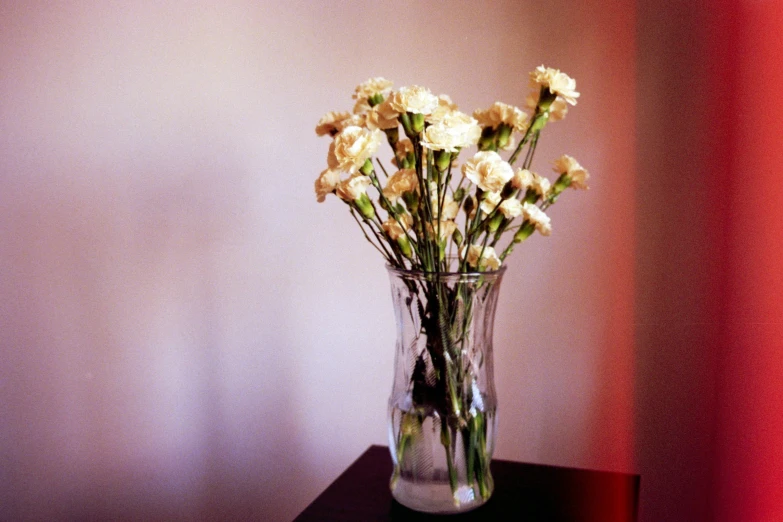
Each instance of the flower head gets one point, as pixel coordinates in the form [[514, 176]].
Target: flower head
[[511, 208], [326, 184], [558, 83], [445, 106], [395, 229], [502, 113], [355, 145], [330, 123], [444, 228], [370, 88], [488, 170], [490, 202], [453, 131], [353, 187], [481, 257], [402, 181], [382, 116], [414, 99], [576, 175], [537, 216]]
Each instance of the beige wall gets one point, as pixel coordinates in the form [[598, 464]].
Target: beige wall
[[185, 332]]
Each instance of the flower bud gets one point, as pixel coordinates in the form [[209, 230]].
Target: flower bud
[[364, 205], [367, 168], [487, 139], [459, 194], [494, 223], [405, 246], [469, 206], [417, 122], [442, 160], [504, 135], [524, 232], [456, 236]]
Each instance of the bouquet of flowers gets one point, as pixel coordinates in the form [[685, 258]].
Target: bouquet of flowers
[[432, 215]]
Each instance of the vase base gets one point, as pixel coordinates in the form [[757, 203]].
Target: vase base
[[436, 497]]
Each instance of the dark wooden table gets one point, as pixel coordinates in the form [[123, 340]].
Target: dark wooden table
[[529, 492]]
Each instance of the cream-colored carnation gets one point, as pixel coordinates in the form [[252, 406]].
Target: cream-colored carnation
[[402, 181], [540, 185], [488, 170], [371, 87], [522, 179], [414, 99], [393, 229], [404, 147], [446, 228], [355, 120], [557, 82], [445, 106], [557, 111], [567, 165], [511, 208], [454, 131], [326, 183], [488, 257], [502, 113], [330, 123], [450, 207], [331, 159], [490, 201], [537, 216], [382, 116], [353, 187], [355, 145]]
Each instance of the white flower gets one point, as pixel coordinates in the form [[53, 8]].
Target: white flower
[[540, 185], [403, 149], [557, 82], [488, 170], [490, 201], [382, 116], [489, 258], [450, 207], [502, 113], [402, 181], [537, 216], [445, 106], [393, 228], [446, 228], [326, 183], [353, 187], [355, 120], [557, 111], [578, 176], [455, 130], [511, 208], [329, 124], [522, 179], [371, 87], [414, 99], [355, 145]]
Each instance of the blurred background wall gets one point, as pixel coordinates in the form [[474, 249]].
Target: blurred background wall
[[186, 334]]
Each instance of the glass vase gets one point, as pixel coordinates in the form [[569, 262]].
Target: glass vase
[[442, 407]]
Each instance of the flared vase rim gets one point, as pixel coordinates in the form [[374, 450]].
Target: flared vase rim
[[475, 274]]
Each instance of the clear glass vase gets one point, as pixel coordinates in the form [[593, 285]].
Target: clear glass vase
[[442, 406]]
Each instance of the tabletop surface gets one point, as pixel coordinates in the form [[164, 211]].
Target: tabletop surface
[[530, 492]]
